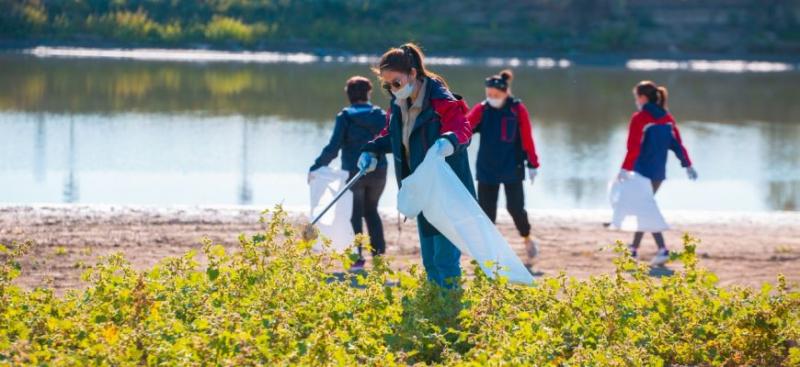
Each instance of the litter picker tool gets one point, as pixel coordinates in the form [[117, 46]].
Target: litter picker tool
[[308, 231]]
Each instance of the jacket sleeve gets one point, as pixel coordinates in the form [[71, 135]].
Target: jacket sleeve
[[331, 151], [381, 143], [475, 116], [634, 142], [526, 134], [455, 127], [678, 148]]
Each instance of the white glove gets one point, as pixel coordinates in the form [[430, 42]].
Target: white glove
[[624, 175], [367, 162], [691, 173], [443, 147], [532, 172]]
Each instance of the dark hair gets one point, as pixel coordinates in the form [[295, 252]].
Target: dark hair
[[358, 88], [501, 81], [654, 93], [403, 59]]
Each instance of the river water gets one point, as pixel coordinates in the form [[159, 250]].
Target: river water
[[244, 131]]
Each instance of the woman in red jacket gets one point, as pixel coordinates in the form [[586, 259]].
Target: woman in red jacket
[[506, 152], [652, 133]]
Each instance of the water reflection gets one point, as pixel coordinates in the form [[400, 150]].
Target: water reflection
[[158, 132], [39, 157], [245, 190], [71, 193]]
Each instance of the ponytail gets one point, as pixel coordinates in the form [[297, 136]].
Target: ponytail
[[654, 93], [506, 75], [405, 58], [662, 96]]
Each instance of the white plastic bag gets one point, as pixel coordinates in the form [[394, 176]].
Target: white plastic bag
[[635, 206], [435, 190], [335, 224]]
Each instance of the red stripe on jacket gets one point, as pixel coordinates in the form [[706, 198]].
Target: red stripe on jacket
[[452, 115], [475, 116]]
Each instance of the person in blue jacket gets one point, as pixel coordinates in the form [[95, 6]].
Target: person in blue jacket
[[652, 133], [506, 152], [356, 125], [424, 115]]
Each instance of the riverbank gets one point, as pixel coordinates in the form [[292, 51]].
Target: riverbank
[[741, 248], [676, 27]]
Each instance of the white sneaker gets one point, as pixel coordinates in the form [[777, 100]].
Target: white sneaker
[[531, 246], [661, 258]]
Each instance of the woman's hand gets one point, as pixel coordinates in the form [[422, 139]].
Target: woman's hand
[[532, 172], [691, 173], [443, 147], [624, 175], [367, 162]]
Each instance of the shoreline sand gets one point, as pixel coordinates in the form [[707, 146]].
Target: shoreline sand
[[742, 248]]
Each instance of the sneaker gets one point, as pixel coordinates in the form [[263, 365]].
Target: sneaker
[[634, 252], [358, 265], [531, 246], [661, 258]]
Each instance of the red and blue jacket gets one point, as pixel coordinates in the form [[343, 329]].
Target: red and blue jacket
[[506, 141], [652, 133], [355, 126], [443, 115]]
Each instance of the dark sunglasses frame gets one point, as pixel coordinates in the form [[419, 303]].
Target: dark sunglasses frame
[[393, 84]]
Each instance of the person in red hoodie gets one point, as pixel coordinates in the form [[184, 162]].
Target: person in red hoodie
[[652, 133], [506, 152]]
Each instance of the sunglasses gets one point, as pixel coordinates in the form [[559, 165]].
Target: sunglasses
[[394, 84]]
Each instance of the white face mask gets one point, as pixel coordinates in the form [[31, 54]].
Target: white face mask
[[496, 102], [638, 106], [405, 91]]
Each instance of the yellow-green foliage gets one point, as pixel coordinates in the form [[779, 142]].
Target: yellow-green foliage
[[230, 29], [275, 302]]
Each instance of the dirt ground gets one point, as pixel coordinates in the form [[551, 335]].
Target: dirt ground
[[741, 248]]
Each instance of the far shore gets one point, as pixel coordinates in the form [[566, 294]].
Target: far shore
[[585, 59], [742, 248]]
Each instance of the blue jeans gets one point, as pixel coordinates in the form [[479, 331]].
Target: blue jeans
[[441, 259]]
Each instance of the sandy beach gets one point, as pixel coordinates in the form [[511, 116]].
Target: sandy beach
[[741, 248]]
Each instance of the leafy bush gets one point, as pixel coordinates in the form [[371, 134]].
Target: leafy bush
[[274, 301], [222, 29], [522, 27], [125, 25], [34, 16]]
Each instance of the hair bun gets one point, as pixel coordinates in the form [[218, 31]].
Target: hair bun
[[506, 75]]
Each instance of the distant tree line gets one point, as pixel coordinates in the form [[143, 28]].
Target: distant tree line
[[561, 26]]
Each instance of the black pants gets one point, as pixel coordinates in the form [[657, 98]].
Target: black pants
[[366, 193], [515, 203]]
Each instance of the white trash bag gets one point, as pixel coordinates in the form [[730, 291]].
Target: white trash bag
[[635, 206], [335, 224], [435, 190]]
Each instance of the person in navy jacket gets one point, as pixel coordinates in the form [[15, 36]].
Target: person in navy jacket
[[356, 125], [506, 152], [424, 115], [652, 133]]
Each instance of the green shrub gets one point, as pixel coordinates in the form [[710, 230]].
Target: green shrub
[[274, 302], [124, 25], [35, 17], [171, 32], [222, 29]]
